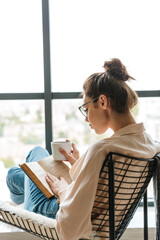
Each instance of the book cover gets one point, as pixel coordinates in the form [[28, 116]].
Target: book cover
[[37, 171]]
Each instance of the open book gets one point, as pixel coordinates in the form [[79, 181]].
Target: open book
[[36, 171]]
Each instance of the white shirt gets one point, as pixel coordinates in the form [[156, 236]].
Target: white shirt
[[73, 219]]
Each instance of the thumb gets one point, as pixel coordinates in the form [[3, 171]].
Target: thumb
[[68, 156]]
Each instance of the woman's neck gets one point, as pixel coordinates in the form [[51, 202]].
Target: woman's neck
[[118, 120]]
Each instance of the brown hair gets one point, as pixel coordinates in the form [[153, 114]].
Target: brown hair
[[112, 83]]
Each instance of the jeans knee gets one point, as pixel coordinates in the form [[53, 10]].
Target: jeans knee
[[11, 175], [36, 154], [15, 183], [38, 148]]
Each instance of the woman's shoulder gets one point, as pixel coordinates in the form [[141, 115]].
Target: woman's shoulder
[[100, 146], [99, 143]]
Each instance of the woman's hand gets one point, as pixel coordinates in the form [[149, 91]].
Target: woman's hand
[[74, 154], [58, 186]]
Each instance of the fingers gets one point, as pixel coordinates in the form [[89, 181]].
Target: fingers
[[68, 156], [67, 140], [73, 156], [74, 147], [48, 180], [51, 177]]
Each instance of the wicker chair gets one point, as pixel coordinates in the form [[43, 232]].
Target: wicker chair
[[123, 181]]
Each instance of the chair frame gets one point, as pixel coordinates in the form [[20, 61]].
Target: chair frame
[[109, 158]]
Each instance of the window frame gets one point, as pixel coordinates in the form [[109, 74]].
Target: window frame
[[48, 95]]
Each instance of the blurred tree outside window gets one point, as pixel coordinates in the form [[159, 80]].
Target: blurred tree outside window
[[21, 129]]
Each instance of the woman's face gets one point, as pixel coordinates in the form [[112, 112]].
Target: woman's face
[[97, 115]]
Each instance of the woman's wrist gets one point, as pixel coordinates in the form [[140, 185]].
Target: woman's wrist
[[61, 196]]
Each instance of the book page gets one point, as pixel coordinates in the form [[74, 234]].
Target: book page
[[37, 171], [37, 175], [56, 168]]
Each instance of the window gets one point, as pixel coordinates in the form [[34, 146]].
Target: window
[[86, 33], [21, 48], [21, 129], [22, 123], [148, 111], [83, 35]]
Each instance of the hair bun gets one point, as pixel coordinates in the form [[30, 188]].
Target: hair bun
[[116, 70]]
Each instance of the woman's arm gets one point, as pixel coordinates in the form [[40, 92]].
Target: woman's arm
[[74, 215], [59, 186]]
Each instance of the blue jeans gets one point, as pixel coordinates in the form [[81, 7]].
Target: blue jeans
[[23, 190]]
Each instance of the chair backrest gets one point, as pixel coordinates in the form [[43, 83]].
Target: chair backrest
[[122, 183]]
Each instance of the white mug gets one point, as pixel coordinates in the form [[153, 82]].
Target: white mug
[[57, 155]]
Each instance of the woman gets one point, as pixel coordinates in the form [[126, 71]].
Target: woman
[[107, 104]]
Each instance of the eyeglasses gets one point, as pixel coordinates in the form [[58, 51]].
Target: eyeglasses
[[83, 110]]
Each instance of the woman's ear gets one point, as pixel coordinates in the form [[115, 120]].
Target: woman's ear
[[103, 101]]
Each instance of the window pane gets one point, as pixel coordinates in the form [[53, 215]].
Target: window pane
[[21, 128], [86, 33], [148, 111], [21, 53]]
